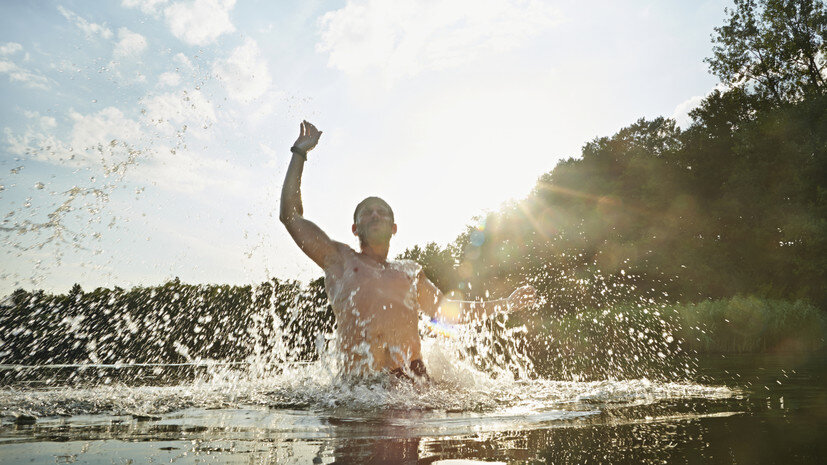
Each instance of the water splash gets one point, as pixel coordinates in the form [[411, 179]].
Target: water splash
[[456, 387]]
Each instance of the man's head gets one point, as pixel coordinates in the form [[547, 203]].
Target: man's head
[[373, 221]]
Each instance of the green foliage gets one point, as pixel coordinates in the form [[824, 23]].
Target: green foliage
[[750, 324], [639, 339], [438, 264], [776, 47]]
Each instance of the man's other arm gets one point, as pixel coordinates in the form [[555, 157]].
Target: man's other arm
[[433, 303]]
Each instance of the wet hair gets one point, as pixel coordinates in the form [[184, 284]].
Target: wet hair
[[368, 200]]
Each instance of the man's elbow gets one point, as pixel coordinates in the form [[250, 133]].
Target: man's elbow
[[288, 214], [287, 218]]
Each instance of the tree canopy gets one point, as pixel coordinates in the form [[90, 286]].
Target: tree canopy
[[777, 48]]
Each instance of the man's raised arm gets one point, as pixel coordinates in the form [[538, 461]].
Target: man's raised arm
[[434, 304], [309, 237]]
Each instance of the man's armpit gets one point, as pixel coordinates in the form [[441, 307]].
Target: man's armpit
[[334, 261]]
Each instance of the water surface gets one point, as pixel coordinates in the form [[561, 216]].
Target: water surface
[[741, 409]]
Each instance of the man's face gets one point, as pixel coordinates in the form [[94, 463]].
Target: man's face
[[374, 223]]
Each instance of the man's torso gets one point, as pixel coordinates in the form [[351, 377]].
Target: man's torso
[[376, 311]]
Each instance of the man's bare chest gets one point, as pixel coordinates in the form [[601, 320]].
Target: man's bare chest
[[370, 286]]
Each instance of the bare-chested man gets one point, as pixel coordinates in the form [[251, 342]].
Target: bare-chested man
[[376, 301]]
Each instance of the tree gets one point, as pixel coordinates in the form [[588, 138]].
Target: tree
[[75, 291], [776, 47]]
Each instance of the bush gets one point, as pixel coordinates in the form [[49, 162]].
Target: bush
[[637, 340], [751, 324]]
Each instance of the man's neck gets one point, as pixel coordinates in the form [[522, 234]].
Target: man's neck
[[376, 252]]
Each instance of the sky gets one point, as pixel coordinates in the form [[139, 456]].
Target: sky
[[142, 140]]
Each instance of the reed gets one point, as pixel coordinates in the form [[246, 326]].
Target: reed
[[738, 324], [751, 324]]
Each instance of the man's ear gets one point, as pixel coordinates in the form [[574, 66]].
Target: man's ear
[[353, 228], [393, 229]]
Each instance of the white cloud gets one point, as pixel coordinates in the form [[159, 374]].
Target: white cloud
[[244, 72], [200, 22], [110, 137], [9, 48], [45, 122], [35, 144], [150, 7], [403, 38], [91, 131], [265, 106], [169, 79], [183, 61], [17, 73], [87, 27], [180, 108], [192, 173], [147, 149], [129, 44], [106, 137], [681, 112]]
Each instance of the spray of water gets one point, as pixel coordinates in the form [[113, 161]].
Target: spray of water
[[153, 351]]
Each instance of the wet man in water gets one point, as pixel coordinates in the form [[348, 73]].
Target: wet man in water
[[376, 301]]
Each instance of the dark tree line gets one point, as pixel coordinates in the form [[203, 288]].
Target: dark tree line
[[171, 323]]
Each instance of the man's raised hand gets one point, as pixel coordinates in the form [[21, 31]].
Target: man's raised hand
[[308, 137]]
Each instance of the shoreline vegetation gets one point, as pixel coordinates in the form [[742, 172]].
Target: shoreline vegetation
[[736, 325], [710, 238], [286, 321]]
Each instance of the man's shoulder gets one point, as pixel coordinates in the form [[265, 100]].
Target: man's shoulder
[[409, 267], [342, 247], [344, 253]]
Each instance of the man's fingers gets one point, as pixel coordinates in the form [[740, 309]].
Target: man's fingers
[[308, 130]]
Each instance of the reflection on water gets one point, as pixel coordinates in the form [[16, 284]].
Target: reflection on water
[[776, 412]]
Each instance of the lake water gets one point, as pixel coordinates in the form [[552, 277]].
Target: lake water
[[740, 409]]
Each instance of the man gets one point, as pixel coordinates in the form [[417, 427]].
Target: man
[[375, 301]]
